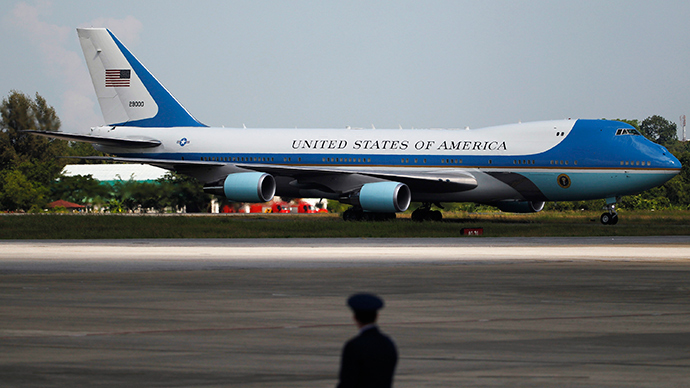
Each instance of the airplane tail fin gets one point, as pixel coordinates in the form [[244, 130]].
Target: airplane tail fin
[[128, 93]]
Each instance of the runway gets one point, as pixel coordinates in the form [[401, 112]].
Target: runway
[[180, 254], [263, 313]]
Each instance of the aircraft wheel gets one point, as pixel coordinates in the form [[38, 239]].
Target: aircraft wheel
[[425, 214], [605, 218], [388, 216], [353, 214], [609, 219], [419, 215], [614, 219], [372, 216]]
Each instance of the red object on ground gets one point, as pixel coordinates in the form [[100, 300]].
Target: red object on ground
[[65, 204], [473, 231]]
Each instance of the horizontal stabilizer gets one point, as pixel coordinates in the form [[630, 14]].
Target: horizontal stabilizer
[[105, 141]]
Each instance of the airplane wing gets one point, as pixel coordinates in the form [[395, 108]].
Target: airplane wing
[[106, 141], [436, 181], [439, 181]]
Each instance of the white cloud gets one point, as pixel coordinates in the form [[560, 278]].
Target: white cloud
[[127, 29], [77, 109]]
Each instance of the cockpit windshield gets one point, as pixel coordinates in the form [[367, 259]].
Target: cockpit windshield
[[628, 131]]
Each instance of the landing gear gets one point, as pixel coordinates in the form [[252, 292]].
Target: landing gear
[[358, 214], [610, 217], [424, 213]]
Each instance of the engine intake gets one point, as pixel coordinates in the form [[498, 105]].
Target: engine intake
[[385, 197]]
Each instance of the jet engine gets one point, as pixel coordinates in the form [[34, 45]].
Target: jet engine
[[385, 197], [249, 187], [519, 206]]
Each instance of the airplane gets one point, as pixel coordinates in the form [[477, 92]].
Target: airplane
[[515, 167]]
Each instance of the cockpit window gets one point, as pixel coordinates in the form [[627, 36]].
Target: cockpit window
[[628, 131]]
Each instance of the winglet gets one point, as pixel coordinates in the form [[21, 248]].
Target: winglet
[[128, 93]]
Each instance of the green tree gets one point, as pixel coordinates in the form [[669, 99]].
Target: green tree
[[19, 113], [634, 122], [82, 189], [184, 191], [659, 130], [27, 162], [27, 158], [17, 192]]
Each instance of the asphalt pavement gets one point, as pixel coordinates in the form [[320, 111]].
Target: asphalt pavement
[[271, 313]]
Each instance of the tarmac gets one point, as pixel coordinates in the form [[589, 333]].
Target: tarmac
[[474, 312]]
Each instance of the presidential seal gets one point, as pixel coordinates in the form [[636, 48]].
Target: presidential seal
[[564, 181]]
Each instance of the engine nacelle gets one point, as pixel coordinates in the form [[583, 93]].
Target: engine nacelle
[[385, 197], [249, 187], [519, 206]]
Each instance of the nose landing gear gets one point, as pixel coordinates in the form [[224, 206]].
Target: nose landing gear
[[610, 217]]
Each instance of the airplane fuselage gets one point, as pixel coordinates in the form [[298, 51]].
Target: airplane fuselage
[[542, 161]]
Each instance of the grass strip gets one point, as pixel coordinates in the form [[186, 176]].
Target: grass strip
[[548, 224]]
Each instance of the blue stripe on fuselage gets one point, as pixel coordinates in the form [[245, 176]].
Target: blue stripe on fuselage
[[589, 144]]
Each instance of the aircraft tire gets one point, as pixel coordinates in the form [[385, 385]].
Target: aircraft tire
[[421, 215], [371, 216], [353, 214], [614, 219], [605, 218], [418, 215], [609, 219]]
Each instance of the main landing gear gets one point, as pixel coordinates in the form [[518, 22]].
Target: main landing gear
[[424, 213], [610, 217], [358, 214]]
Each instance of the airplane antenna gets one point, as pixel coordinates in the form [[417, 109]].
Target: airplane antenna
[[244, 126], [372, 126]]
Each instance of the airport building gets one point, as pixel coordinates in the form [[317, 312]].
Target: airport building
[[111, 173]]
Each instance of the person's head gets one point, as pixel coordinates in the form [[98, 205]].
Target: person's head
[[365, 317], [365, 308]]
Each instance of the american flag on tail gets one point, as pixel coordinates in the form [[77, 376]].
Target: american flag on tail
[[117, 78]]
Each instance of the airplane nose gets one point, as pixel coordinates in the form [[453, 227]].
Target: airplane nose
[[670, 160]]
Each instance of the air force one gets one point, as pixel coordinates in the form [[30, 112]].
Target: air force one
[[516, 167]]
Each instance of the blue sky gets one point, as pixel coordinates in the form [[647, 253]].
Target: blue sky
[[445, 64]]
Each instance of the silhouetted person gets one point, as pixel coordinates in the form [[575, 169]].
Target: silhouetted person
[[369, 359]]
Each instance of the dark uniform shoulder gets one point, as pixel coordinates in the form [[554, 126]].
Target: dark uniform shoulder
[[369, 360]]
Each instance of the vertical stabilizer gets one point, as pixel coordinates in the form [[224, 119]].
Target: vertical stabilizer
[[128, 93]]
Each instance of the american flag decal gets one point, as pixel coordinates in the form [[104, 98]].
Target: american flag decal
[[117, 78]]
